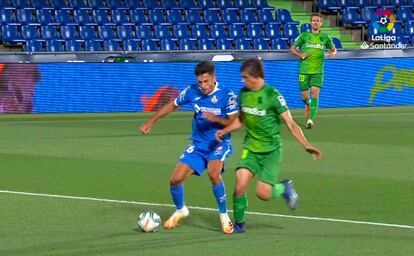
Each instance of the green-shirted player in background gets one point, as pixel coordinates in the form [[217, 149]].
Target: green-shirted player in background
[[312, 48], [262, 109]]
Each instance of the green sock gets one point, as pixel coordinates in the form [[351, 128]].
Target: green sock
[[239, 208], [313, 108], [307, 102], [278, 190]]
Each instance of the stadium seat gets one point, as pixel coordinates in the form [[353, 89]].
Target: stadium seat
[[133, 4], [401, 40], [396, 30], [405, 14], [151, 4], [236, 31], [74, 45], [44, 16], [106, 32], [409, 28], [156, 16], [262, 5], [93, 45], [242, 4], [344, 3], [205, 44], [369, 15], [188, 4], [11, 33], [254, 31], [229, 16], [102, 16], [119, 16], [30, 32], [242, 44], [272, 30], [212, 16], [199, 31], [40, 4], [168, 44], [87, 32], [97, 4], [34, 46], [350, 16], [162, 31], [337, 43], [373, 29], [266, 16], [305, 27], [170, 4], [206, 4], [149, 45], [58, 4], [398, 3], [224, 44], [77, 4], [181, 31], [63, 16], [117, 4], [138, 16], [260, 44], [279, 44], [175, 17], [7, 15], [25, 16], [382, 4], [193, 16], [21, 3], [328, 5], [224, 4], [111, 45], [290, 31], [186, 44], [143, 31], [284, 17], [49, 32], [363, 3], [82, 16], [54, 45], [125, 31], [69, 32], [218, 31], [131, 45], [247, 16]]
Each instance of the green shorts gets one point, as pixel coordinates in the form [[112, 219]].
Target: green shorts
[[306, 81], [266, 166]]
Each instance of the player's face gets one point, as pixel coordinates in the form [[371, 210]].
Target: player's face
[[250, 81], [206, 82], [316, 23]]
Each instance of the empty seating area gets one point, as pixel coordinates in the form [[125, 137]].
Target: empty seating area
[[367, 13]]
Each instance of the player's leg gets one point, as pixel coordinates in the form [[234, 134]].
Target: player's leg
[[305, 92], [316, 82], [240, 202]]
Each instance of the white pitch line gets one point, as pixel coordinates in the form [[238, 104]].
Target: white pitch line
[[206, 209]]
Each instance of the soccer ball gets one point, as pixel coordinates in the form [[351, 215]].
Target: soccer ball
[[383, 20], [149, 221]]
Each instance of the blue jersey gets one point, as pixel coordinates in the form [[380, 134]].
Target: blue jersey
[[221, 102]]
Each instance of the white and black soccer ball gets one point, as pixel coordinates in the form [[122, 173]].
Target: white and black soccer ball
[[149, 221], [383, 20]]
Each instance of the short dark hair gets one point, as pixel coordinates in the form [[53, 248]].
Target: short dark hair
[[205, 67], [316, 14], [253, 67]]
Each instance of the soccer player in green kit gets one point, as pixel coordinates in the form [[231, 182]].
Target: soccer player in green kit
[[311, 55], [262, 109]]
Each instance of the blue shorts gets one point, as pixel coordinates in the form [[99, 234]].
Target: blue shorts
[[198, 159]]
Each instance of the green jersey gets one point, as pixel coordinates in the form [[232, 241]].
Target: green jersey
[[314, 45], [260, 111]]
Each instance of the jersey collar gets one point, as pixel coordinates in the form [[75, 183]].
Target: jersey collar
[[216, 88]]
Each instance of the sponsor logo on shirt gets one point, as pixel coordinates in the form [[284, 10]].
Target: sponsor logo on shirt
[[254, 111], [318, 46], [214, 111]]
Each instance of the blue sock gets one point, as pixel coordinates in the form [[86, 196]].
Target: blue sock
[[220, 194], [177, 194]]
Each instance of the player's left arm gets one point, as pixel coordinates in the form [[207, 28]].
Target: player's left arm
[[235, 125], [331, 47], [231, 111]]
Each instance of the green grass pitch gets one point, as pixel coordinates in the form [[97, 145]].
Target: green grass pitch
[[367, 174]]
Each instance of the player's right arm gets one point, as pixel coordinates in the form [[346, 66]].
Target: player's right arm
[[145, 128], [293, 49], [298, 134]]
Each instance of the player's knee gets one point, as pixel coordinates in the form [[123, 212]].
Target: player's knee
[[263, 195], [214, 176], [240, 190], [176, 180]]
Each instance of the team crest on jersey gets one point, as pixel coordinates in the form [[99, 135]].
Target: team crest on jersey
[[214, 100]]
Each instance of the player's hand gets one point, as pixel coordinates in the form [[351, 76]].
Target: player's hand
[[209, 116], [331, 54], [145, 128], [303, 56], [316, 153], [219, 135]]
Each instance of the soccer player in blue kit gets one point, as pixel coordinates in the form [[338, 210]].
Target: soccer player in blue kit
[[215, 107]]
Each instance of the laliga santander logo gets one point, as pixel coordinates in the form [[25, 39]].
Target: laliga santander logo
[[385, 16]]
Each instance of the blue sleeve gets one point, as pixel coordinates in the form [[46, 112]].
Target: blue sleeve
[[232, 106], [184, 97]]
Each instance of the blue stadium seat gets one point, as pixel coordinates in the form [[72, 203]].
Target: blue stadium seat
[[181, 31], [82, 16], [401, 40], [170, 4], [382, 4], [206, 4], [168, 44], [409, 28], [284, 17], [112, 45], [363, 3], [175, 17], [396, 30], [337, 43], [49, 32], [143, 31], [305, 27], [272, 30], [405, 14], [63, 16], [30, 32], [398, 3], [21, 3], [242, 44], [40, 4], [373, 29], [138, 16], [11, 33], [193, 16], [229, 16], [344, 3], [132, 4], [34, 46], [77, 4], [242, 4], [131, 45], [116, 4], [224, 44], [248, 16], [151, 4], [74, 45], [162, 31], [25, 16], [254, 31], [88, 32], [290, 31], [125, 31], [279, 44], [224, 4], [58, 4], [199, 31], [186, 44], [236, 30], [350, 16], [266, 16], [106, 32], [102, 16], [54, 45], [156, 16], [205, 44], [97, 4], [45, 16], [212, 16], [328, 5], [369, 15], [149, 45], [218, 31], [69, 32], [7, 15], [119, 16], [188, 4], [260, 44], [5, 3], [93, 45], [262, 5]]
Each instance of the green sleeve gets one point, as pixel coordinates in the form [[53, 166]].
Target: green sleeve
[[329, 44], [299, 41], [280, 103]]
